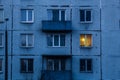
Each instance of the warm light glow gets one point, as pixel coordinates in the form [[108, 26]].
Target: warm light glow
[[83, 39]]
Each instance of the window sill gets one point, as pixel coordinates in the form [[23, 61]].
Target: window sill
[[27, 22], [27, 46], [26, 72], [86, 22], [56, 46], [86, 71], [89, 47]]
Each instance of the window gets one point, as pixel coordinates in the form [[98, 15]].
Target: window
[[0, 65], [56, 15], [27, 40], [85, 16], [1, 15], [26, 65], [27, 15], [85, 65], [56, 64], [85, 40], [56, 40], [1, 40]]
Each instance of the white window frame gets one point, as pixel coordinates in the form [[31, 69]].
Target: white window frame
[[53, 45], [27, 12], [86, 60], [85, 16], [1, 39], [2, 15], [85, 38], [27, 41], [50, 14]]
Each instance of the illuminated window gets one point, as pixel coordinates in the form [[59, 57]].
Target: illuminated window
[[85, 40], [26, 65], [85, 65]]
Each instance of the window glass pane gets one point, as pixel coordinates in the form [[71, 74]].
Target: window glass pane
[[0, 64], [88, 15], [55, 15], [23, 40], [62, 15], [49, 40], [23, 65], [56, 40], [89, 65], [50, 15], [30, 40], [88, 40], [30, 65], [56, 64], [82, 65], [82, 40], [0, 39], [23, 15], [1, 15], [62, 64], [82, 15], [62, 40], [50, 64], [30, 16]]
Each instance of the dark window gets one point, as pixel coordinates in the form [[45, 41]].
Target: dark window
[[85, 65], [56, 40], [0, 65], [26, 65], [85, 15], [56, 64]]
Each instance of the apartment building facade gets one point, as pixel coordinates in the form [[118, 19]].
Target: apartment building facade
[[59, 40]]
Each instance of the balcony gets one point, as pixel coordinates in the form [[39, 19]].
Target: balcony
[[61, 26], [56, 75]]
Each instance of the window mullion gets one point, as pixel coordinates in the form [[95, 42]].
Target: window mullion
[[53, 40], [26, 40], [27, 12], [59, 40], [59, 15]]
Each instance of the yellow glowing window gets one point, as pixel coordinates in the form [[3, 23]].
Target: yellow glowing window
[[85, 40]]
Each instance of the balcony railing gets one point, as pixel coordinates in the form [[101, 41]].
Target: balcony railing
[[56, 26], [56, 75]]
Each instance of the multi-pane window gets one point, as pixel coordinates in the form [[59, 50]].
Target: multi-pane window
[[85, 65], [1, 40], [85, 40], [56, 15], [1, 15], [27, 40], [0, 65], [27, 15], [26, 65], [85, 15], [56, 64], [56, 40]]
